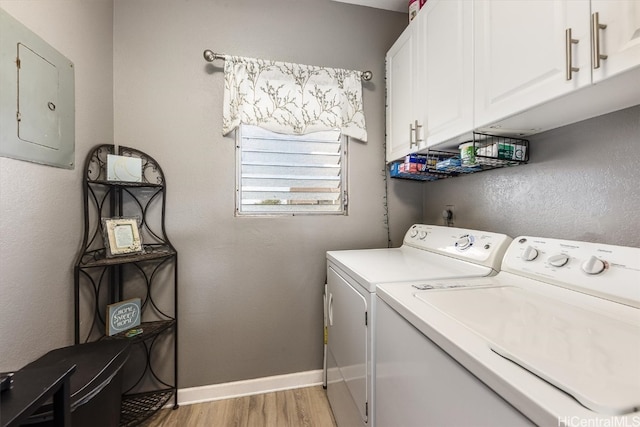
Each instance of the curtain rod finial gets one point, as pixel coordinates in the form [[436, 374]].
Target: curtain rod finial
[[209, 55]]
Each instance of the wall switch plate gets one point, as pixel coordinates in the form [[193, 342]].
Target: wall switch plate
[[37, 101]]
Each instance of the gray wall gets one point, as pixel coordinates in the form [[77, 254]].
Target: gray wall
[[41, 206], [582, 183], [250, 288]]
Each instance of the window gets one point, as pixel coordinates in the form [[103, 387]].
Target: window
[[289, 175]]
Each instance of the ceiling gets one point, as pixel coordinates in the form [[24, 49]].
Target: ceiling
[[394, 5]]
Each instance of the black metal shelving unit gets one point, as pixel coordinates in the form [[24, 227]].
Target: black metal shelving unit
[[151, 373], [489, 152]]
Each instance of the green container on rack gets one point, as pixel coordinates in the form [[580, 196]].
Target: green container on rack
[[468, 154]]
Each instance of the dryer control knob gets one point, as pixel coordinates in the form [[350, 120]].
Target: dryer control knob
[[593, 266], [422, 235], [464, 242], [414, 233], [530, 253], [558, 260]]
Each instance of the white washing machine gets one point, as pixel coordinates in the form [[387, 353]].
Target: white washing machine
[[553, 339], [428, 252]]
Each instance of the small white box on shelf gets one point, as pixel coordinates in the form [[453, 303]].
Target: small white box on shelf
[[124, 168]]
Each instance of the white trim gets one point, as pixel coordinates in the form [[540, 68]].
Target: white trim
[[207, 393]]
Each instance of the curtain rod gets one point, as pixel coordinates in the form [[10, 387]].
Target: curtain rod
[[210, 56]]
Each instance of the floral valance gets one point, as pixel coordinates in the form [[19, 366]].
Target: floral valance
[[292, 98]]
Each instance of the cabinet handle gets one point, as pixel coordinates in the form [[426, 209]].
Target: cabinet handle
[[596, 26], [415, 130], [570, 69], [418, 133], [411, 132]]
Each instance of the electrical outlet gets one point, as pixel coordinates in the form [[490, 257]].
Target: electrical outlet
[[448, 214]]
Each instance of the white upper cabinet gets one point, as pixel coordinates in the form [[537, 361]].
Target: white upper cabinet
[[509, 67], [446, 28], [402, 95], [536, 62], [430, 79], [521, 54], [619, 40]]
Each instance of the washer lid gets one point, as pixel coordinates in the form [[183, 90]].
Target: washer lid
[[588, 354], [370, 267]]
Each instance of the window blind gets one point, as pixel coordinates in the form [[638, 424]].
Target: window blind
[[287, 174]]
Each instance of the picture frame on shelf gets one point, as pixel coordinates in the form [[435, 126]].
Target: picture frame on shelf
[[121, 236]]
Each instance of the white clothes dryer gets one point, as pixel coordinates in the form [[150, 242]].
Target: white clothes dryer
[[428, 252], [553, 339]]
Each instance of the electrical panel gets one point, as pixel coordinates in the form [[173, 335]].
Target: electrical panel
[[37, 101]]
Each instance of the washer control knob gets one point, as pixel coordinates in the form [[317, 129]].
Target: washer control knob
[[593, 265], [422, 235], [413, 233], [530, 253], [464, 242], [558, 260]]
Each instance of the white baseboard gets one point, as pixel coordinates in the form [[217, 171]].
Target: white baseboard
[[207, 393]]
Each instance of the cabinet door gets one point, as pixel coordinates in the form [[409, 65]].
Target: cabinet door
[[620, 40], [446, 28], [521, 54], [401, 64]]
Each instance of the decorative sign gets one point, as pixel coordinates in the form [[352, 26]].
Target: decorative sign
[[123, 316], [123, 168]]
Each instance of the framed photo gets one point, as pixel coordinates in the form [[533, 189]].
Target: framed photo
[[121, 236]]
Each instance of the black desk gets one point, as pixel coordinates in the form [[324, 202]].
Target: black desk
[[31, 388]]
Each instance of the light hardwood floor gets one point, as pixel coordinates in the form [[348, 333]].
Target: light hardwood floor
[[302, 407]]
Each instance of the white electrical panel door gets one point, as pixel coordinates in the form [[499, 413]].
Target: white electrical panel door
[[37, 100], [38, 122]]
